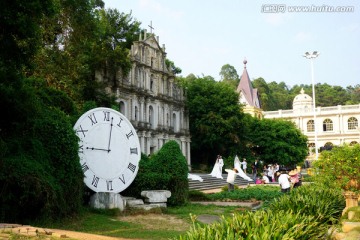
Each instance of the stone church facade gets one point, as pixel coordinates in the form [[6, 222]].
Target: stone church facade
[[151, 99]]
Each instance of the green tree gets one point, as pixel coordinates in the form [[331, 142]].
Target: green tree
[[339, 167], [215, 119], [99, 40], [171, 66], [265, 94], [277, 141], [327, 95], [229, 75], [40, 174], [354, 93], [280, 94]]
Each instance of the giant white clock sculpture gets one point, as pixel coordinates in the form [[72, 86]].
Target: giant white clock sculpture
[[109, 150]]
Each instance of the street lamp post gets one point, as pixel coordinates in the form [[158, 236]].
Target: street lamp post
[[311, 56]]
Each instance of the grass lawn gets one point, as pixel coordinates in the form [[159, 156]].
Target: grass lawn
[[167, 223], [158, 224]]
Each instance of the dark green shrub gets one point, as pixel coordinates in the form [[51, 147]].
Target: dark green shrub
[[195, 195], [165, 170], [40, 174]]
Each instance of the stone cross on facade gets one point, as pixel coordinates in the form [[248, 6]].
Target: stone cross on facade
[[151, 27]]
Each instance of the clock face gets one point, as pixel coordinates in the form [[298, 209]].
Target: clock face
[[109, 150]]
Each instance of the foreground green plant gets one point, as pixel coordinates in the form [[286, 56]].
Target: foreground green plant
[[305, 213], [326, 204], [264, 224]]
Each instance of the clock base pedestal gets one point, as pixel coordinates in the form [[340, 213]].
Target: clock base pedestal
[[107, 200]]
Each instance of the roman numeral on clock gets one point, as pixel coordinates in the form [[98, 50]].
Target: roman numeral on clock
[[122, 179], [81, 130], [133, 151], [84, 167], [81, 149], [132, 167], [92, 119], [95, 181], [129, 134], [106, 116], [120, 122], [109, 185]]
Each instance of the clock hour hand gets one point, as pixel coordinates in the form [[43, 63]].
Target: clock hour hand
[[98, 149], [111, 126]]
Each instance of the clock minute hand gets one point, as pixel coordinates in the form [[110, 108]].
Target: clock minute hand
[[111, 126]]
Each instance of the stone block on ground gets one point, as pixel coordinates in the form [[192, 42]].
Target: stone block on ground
[[156, 196], [147, 207], [134, 202]]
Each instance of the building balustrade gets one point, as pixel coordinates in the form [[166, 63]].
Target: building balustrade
[[319, 111]]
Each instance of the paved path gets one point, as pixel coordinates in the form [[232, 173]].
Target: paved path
[[6, 229]]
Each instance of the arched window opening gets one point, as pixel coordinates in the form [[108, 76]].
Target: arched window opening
[[327, 125], [310, 126], [352, 123], [151, 117], [353, 143], [136, 113], [174, 122], [122, 107]]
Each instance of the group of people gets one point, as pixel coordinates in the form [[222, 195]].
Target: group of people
[[232, 173], [271, 173], [289, 180]]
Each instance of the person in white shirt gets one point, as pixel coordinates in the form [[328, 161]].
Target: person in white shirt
[[231, 178], [264, 179], [284, 182], [244, 165], [221, 163]]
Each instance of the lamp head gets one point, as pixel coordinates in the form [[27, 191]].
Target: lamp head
[[315, 54], [307, 55], [311, 55]]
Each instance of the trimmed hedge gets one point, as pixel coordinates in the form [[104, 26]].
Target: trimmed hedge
[[165, 170]]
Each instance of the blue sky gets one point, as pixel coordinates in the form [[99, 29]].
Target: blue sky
[[201, 36]]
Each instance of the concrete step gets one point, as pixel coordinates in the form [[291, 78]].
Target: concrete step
[[210, 182]]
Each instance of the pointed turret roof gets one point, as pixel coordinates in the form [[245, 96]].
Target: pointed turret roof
[[248, 94]]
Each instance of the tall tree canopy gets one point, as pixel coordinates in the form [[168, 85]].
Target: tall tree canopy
[[99, 40], [215, 119], [277, 141], [40, 174], [229, 75], [275, 96]]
